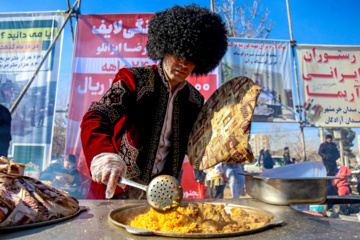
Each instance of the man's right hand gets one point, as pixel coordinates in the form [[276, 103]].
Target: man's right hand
[[106, 168]]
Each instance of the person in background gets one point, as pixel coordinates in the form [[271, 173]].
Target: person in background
[[5, 130], [261, 158], [200, 177], [235, 180], [342, 184], [287, 159], [358, 183], [140, 128], [329, 154], [63, 175], [216, 181], [268, 161]]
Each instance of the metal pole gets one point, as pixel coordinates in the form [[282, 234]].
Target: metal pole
[[41, 62], [321, 133], [212, 5], [341, 146], [71, 26], [78, 10], [297, 83], [72, 64]]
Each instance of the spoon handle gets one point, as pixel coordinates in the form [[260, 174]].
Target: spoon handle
[[133, 184]]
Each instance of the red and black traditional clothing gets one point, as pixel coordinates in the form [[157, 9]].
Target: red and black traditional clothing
[[128, 121]]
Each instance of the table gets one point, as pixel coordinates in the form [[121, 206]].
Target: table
[[93, 224]]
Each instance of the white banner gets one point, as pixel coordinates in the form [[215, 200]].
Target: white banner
[[24, 40], [330, 84], [268, 64]]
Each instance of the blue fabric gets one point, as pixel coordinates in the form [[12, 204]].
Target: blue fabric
[[236, 181]]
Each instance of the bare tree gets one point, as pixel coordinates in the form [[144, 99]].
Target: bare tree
[[277, 136], [281, 137], [246, 21], [59, 134], [293, 140]]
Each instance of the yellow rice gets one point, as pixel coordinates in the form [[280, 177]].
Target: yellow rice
[[173, 221]]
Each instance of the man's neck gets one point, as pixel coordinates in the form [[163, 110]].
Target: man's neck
[[173, 86]]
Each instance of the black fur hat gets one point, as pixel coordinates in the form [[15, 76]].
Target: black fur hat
[[328, 136], [191, 32]]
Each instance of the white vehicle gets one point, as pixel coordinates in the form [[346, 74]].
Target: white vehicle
[[255, 168]]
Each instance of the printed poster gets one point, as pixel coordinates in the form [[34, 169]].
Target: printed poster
[[24, 40], [268, 64], [330, 85]]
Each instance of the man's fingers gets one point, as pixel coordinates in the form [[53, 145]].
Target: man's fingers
[[96, 177], [105, 177], [111, 185]]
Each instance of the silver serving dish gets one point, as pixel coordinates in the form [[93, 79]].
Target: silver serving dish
[[287, 191], [44, 223], [122, 216]]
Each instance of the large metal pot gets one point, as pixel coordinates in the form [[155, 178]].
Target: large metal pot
[[287, 191]]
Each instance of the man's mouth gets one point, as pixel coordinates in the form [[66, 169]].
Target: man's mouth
[[179, 71]]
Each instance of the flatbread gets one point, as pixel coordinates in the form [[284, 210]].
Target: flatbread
[[222, 129], [25, 200]]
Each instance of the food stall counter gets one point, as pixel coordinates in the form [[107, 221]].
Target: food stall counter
[[93, 224]]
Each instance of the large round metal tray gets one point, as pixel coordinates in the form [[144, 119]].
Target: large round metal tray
[[39, 224], [120, 216]]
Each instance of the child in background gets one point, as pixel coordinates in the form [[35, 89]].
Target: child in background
[[342, 184]]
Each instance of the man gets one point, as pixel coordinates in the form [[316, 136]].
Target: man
[[5, 130], [329, 154], [268, 161], [287, 159], [200, 177], [140, 127], [216, 181], [235, 180], [63, 174]]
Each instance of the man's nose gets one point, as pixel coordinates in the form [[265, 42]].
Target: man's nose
[[183, 61]]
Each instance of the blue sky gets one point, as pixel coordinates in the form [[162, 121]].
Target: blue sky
[[328, 22]]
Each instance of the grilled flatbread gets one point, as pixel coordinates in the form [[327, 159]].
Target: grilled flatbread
[[25, 200]]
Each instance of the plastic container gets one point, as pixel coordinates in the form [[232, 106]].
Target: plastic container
[[297, 170]]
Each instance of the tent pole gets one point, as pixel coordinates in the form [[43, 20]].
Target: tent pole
[[299, 106], [71, 26]]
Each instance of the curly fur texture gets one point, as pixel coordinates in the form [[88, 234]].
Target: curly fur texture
[[190, 32]]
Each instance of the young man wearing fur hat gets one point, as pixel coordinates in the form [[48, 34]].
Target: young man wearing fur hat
[[140, 127]]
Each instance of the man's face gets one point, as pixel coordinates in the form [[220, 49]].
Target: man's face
[[329, 140], [176, 69], [68, 165]]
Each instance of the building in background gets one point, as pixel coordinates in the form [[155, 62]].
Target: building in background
[[259, 141]]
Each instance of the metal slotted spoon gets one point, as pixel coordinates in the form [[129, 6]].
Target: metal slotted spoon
[[163, 193]]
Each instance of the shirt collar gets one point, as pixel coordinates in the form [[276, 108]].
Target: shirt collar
[[163, 76]]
